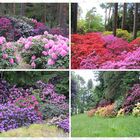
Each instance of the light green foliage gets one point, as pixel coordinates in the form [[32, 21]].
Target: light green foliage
[[35, 130], [136, 110], [107, 33], [84, 126], [123, 34]]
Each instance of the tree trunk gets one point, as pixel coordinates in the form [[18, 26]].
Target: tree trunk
[[105, 17], [44, 13], [22, 9], [135, 21], [14, 8], [109, 14], [124, 15], [115, 18], [74, 17]]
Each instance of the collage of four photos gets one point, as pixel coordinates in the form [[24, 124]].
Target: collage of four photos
[[70, 69]]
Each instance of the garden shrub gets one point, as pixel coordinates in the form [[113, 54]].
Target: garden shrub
[[45, 51], [107, 111], [14, 117], [7, 54], [132, 98], [91, 112], [107, 33], [123, 34], [121, 112], [118, 103], [136, 110]]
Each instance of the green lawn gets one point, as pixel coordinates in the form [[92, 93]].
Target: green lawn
[[35, 130], [84, 126]]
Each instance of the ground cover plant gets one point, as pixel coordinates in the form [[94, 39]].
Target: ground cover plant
[[26, 106], [106, 105]]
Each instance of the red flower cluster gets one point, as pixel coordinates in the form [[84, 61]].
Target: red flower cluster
[[93, 50]]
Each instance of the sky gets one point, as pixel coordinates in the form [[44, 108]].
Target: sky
[[87, 74], [86, 6]]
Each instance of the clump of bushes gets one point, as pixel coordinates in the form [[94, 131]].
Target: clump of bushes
[[120, 33], [136, 110]]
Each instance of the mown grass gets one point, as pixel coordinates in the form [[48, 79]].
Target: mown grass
[[84, 126], [35, 130]]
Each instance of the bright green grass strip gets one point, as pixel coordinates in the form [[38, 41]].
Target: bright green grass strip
[[35, 130], [84, 126]]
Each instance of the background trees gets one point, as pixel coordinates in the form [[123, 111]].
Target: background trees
[[29, 78], [125, 16], [52, 14], [113, 87]]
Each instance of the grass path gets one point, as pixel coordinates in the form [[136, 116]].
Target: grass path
[[35, 130], [84, 126]]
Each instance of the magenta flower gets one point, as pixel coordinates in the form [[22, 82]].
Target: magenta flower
[[50, 62], [33, 65], [2, 40], [11, 60], [45, 53], [63, 53], [54, 56], [5, 56], [33, 57]]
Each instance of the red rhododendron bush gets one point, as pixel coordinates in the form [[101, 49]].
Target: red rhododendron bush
[[94, 50]]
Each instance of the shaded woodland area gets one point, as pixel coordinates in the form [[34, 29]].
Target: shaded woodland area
[[125, 16], [53, 14]]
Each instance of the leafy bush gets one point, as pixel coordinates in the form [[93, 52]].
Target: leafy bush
[[64, 124], [119, 103], [107, 33], [136, 110], [121, 112], [52, 104], [45, 51], [14, 117], [107, 111], [132, 98], [7, 54], [91, 112], [123, 34]]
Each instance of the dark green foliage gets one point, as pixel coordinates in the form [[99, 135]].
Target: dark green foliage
[[29, 78]]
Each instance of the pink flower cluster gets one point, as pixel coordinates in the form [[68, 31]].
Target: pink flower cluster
[[7, 53], [48, 48]]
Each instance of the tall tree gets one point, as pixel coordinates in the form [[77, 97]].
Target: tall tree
[[135, 21], [115, 18], [74, 14], [124, 15], [22, 9]]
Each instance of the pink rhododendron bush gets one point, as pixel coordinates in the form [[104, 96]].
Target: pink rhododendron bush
[[41, 51]]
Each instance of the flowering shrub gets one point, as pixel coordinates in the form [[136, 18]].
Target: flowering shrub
[[53, 103], [121, 112], [7, 54], [107, 111], [93, 50], [132, 98], [91, 112], [45, 51], [136, 110], [21, 107], [12, 117], [64, 124]]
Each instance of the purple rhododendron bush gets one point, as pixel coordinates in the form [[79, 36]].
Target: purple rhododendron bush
[[38, 104], [26, 43]]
